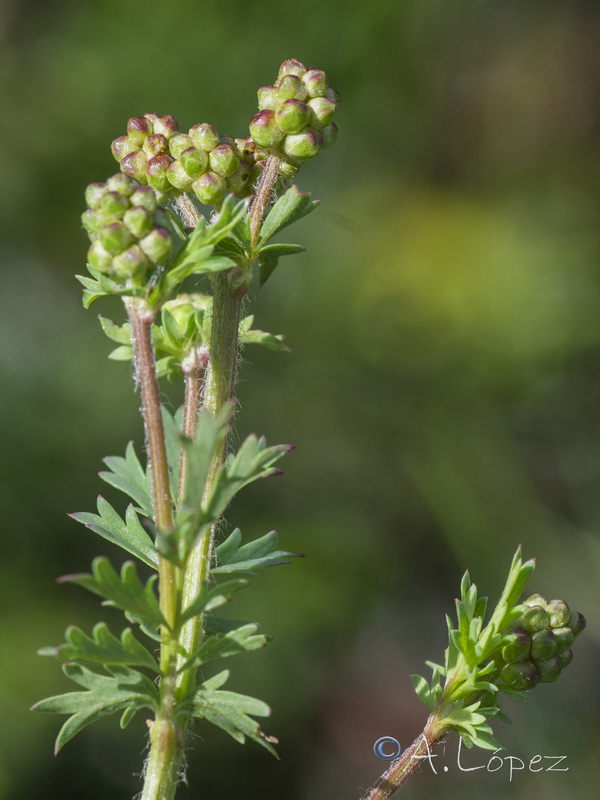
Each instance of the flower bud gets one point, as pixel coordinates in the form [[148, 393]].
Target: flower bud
[[577, 622], [166, 126], [92, 220], [268, 98], [290, 87], [329, 135], [194, 161], [535, 600], [534, 619], [137, 130], [122, 146], [157, 245], [122, 183], [99, 258], [333, 95], [134, 164], [521, 675], [264, 129], [291, 67], [144, 196], [288, 171], [225, 138], [204, 136], [518, 645], [549, 669], [223, 160], [114, 205], [564, 638], [138, 221], [559, 613], [156, 172], [238, 182], [178, 177], [178, 143], [303, 145], [292, 115], [209, 189], [115, 237], [565, 658], [316, 83], [93, 194], [256, 173], [321, 112], [543, 645], [156, 145], [131, 263]]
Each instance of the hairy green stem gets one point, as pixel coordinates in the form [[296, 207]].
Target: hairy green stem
[[263, 196], [410, 760]]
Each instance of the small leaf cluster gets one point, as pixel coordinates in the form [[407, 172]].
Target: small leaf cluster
[[463, 693]]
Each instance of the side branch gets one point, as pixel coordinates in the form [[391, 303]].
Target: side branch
[[263, 195]]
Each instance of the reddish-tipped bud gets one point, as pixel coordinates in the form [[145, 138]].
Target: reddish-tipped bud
[[321, 112], [223, 160], [134, 165], [178, 177], [577, 622], [333, 95], [99, 258], [114, 205], [329, 135], [138, 221], [157, 245], [291, 67], [549, 669], [238, 182], [194, 160], [122, 147], [115, 237], [291, 87], [93, 194], [209, 189], [122, 183], [137, 130], [292, 115], [268, 97], [92, 220], [156, 173], [264, 129], [156, 145], [521, 675], [204, 136], [518, 646], [534, 619], [146, 197], [559, 613], [166, 125], [130, 264], [178, 143], [543, 645], [564, 638], [303, 145], [316, 83]]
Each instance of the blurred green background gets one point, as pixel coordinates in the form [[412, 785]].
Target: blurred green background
[[443, 385]]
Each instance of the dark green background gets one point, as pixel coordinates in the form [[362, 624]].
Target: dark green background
[[444, 384]]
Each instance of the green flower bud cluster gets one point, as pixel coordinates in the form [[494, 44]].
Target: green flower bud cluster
[[123, 223], [538, 648], [295, 120], [157, 154]]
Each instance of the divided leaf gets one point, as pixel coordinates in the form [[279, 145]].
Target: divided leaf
[[292, 206], [102, 648], [231, 557], [240, 640], [268, 258], [128, 475]]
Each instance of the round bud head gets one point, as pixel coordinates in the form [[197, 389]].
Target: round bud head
[[130, 264], [535, 600], [535, 619], [115, 237], [114, 205], [122, 147], [156, 145], [194, 161], [178, 143], [264, 129], [316, 83], [134, 164], [329, 135], [138, 221], [99, 258], [559, 613], [146, 197], [289, 88], [92, 220], [224, 161], [166, 125], [157, 245], [204, 136], [333, 95], [178, 177], [564, 638], [137, 130], [292, 115], [321, 112], [156, 172], [268, 97], [122, 183], [93, 194], [565, 658], [209, 189], [577, 622], [291, 67], [303, 145], [521, 675], [543, 645], [518, 645], [549, 669]]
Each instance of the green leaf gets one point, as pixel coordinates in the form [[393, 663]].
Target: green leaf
[[128, 534], [122, 353], [124, 591], [269, 255], [240, 640], [121, 335], [249, 336], [125, 689], [128, 475], [214, 624], [293, 205], [215, 598], [230, 557], [228, 710], [103, 648]]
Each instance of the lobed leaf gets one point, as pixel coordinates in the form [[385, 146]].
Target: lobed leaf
[[128, 475], [268, 258], [241, 640], [292, 206], [102, 648], [231, 557]]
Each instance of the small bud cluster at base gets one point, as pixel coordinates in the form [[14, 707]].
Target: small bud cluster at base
[[123, 223], [295, 117], [538, 647], [156, 153]]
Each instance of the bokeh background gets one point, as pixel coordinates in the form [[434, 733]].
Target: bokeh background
[[443, 385]]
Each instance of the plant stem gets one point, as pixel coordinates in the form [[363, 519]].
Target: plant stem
[[263, 195], [410, 760], [163, 763], [192, 403]]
